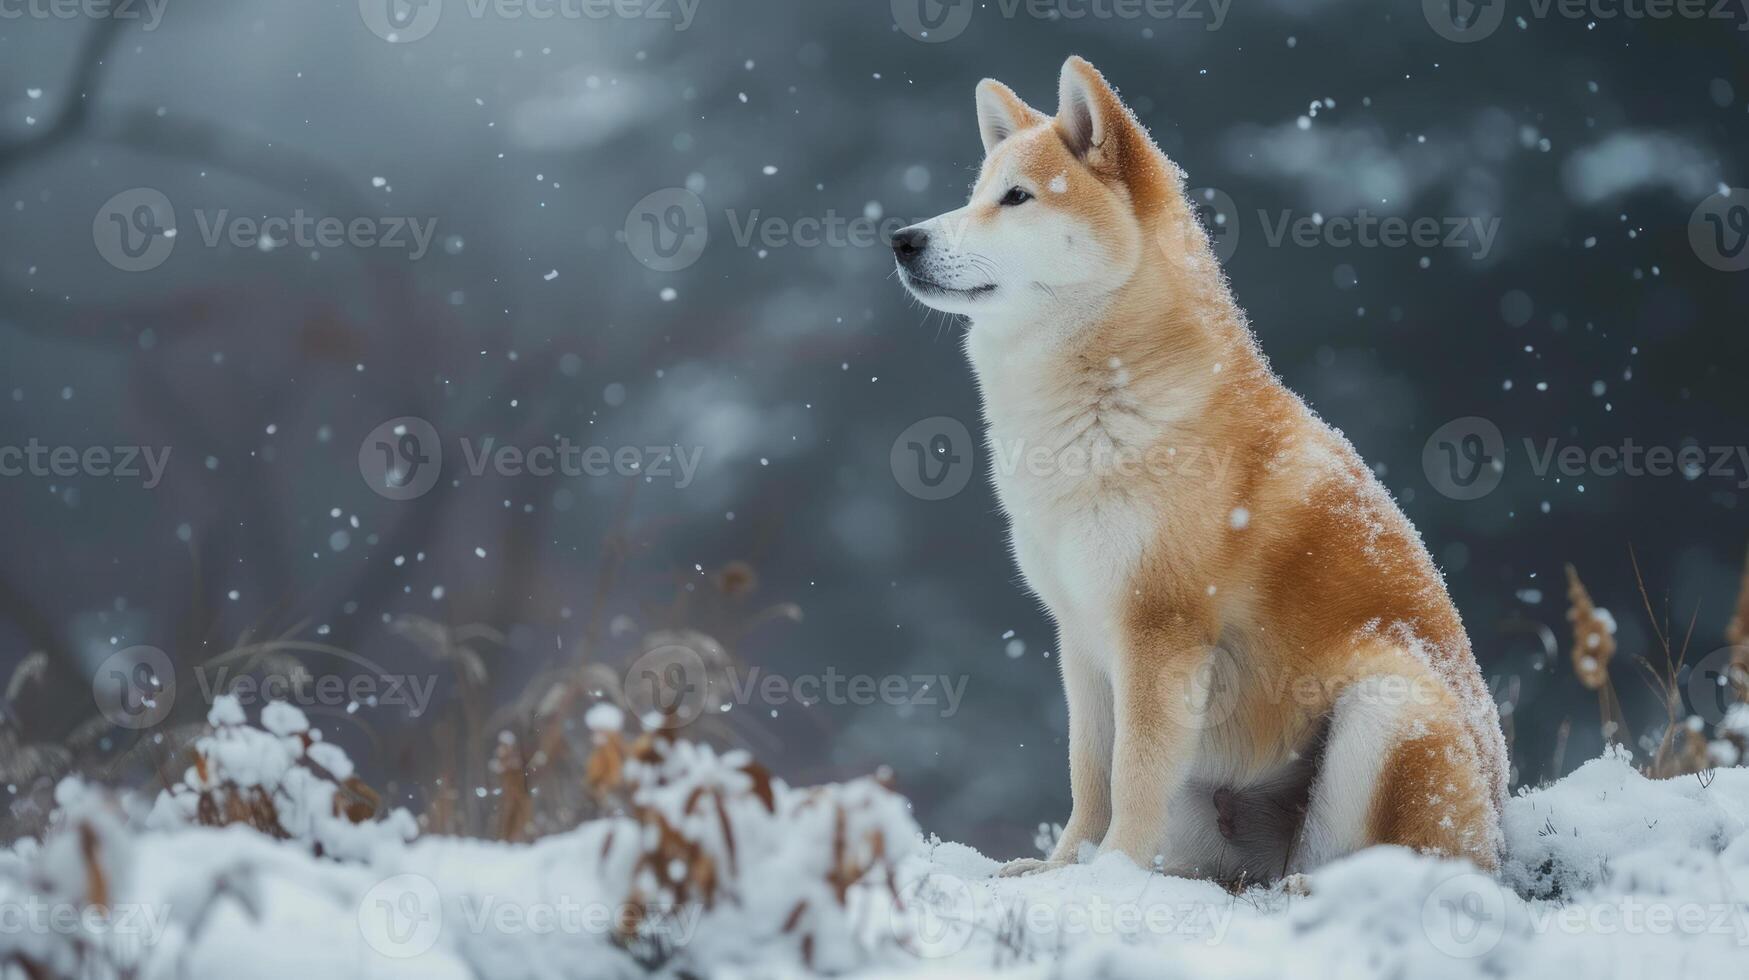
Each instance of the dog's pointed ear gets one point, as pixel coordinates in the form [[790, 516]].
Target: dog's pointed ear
[[1001, 113], [1088, 110]]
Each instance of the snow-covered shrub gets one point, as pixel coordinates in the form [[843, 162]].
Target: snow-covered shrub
[[282, 780], [1577, 835], [770, 868], [705, 863], [1730, 742], [64, 911]]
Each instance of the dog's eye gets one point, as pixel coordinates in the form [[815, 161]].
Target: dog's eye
[[1014, 196]]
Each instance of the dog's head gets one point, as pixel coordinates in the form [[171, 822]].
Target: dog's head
[[1063, 213]]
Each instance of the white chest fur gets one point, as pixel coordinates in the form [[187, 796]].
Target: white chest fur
[[1080, 560], [1064, 450]]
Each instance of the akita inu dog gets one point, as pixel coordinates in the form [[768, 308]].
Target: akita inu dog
[[1262, 666]]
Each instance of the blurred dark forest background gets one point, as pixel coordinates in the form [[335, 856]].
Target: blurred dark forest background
[[1591, 319]]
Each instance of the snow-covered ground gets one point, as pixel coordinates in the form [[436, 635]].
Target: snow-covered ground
[[713, 869]]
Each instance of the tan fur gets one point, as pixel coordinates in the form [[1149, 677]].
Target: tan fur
[[1326, 591]]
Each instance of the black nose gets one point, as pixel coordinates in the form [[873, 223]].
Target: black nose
[[909, 243]]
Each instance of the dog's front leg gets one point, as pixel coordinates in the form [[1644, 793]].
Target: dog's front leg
[[1157, 701], [1087, 687], [1091, 730]]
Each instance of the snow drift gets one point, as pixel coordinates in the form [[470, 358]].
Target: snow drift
[[710, 866]]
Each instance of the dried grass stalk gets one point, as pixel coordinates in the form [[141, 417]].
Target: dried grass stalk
[[1593, 636], [1737, 632]]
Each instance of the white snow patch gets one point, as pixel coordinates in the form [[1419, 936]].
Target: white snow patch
[[1603, 868]]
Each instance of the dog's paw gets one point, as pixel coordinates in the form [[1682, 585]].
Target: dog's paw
[[1029, 866], [1297, 885]]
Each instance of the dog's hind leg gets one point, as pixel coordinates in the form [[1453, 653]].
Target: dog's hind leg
[[1399, 768]]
